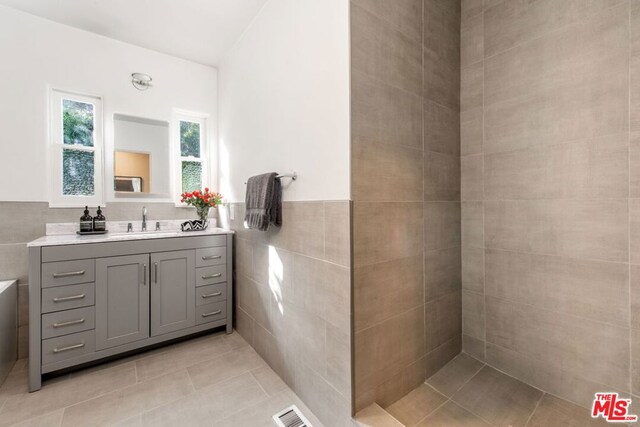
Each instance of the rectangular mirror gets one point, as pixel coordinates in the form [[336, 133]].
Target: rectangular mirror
[[141, 157]]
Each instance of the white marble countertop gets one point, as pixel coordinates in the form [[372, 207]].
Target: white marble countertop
[[65, 233]]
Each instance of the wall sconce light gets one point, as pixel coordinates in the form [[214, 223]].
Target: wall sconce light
[[141, 81]]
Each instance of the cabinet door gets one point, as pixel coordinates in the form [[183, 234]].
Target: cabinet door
[[122, 300], [173, 291]]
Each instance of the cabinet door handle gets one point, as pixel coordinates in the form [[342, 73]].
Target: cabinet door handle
[[71, 347], [69, 323], [208, 257], [71, 298], [155, 271], [211, 276], [144, 274], [68, 274], [215, 294], [213, 313]]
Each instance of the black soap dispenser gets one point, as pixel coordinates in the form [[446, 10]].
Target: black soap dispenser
[[99, 221], [86, 222]]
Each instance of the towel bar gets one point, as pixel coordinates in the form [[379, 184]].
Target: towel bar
[[293, 176]]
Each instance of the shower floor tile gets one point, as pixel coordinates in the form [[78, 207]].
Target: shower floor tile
[[468, 393]]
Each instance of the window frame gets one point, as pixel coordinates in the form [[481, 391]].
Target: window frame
[[56, 149], [202, 119]]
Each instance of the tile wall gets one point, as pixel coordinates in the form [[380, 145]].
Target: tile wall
[[549, 104], [406, 191]]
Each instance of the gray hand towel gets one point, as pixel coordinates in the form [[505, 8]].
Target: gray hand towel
[[263, 201]]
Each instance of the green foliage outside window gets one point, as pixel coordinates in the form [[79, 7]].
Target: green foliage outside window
[[189, 139], [77, 123]]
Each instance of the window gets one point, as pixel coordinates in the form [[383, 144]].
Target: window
[[76, 150], [192, 165]]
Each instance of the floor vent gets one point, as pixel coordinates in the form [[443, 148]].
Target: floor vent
[[291, 417]]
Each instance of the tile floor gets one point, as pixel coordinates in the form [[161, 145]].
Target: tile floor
[[215, 380], [468, 393]]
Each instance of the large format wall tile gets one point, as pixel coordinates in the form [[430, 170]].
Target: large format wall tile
[[472, 224], [386, 231], [382, 113], [442, 272], [441, 176], [561, 340], [511, 23], [471, 41], [471, 131], [473, 317], [562, 87], [593, 289], [441, 225], [441, 129], [591, 169], [443, 319], [388, 347], [293, 300], [387, 289], [386, 173], [404, 15], [545, 376], [588, 229], [384, 53], [442, 52]]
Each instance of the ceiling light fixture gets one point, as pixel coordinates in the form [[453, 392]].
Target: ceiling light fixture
[[141, 81]]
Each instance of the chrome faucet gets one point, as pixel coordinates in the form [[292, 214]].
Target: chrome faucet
[[144, 218]]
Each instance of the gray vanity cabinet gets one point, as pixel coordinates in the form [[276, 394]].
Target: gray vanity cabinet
[[89, 301], [122, 300], [173, 290]]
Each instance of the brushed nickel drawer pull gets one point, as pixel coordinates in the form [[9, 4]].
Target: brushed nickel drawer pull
[[215, 294], [71, 298], [69, 323], [71, 347], [206, 258], [211, 276], [211, 314], [69, 274]]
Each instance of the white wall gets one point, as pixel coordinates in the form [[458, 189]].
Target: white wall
[[284, 100], [35, 53]]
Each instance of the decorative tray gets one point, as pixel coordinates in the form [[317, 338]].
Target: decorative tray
[[90, 233]]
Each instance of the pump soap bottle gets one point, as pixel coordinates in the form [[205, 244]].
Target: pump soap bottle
[[86, 222]]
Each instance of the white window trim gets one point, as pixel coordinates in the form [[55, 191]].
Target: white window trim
[[56, 146], [186, 116]]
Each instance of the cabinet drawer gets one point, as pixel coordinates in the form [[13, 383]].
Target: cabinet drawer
[[68, 297], [211, 256], [68, 322], [211, 293], [211, 312], [68, 272], [211, 275], [68, 347]]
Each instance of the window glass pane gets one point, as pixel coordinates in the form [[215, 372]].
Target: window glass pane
[[77, 123], [77, 173], [191, 176], [189, 139]]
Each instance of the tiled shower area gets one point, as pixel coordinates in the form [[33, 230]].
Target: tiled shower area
[[496, 141]]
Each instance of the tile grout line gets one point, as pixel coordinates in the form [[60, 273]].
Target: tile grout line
[[535, 409]]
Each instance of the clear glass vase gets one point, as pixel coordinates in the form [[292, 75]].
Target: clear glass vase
[[203, 212]]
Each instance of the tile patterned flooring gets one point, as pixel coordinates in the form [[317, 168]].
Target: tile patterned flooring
[[218, 380], [468, 393], [215, 380]]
